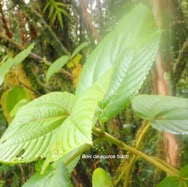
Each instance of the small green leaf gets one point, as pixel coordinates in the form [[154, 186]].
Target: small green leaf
[[184, 172], [22, 55], [60, 19], [184, 175], [56, 66], [171, 181], [57, 177], [15, 95], [78, 49], [12, 100], [165, 113], [101, 179], [5, 67], [46, 6], [174, 181]]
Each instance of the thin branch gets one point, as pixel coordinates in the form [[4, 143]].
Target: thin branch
[[89, 21], [79, 152], [180, 62], [122, 145], [8, 32]]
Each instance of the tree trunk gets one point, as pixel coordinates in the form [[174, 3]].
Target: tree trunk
[[163, 11]]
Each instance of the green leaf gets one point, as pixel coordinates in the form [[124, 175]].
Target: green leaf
[[130, 50], [12, 100], [18, 105], [165, 113], [78, 49], [184, 171], [77, 128], [174, 181], [101, 179], [5, 67], [22, 55], [30, 134], [51, 158], [70, 166], [46, 6], [60, 19], [52, 125], [184, 175], [57, 177], [56, 66], [171, 181], [15, 95]]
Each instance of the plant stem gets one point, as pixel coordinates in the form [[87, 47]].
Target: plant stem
[[77, 153], [102, 127], [82, 150], [123, 146], [140, 138], [127, 170], [167, 165]]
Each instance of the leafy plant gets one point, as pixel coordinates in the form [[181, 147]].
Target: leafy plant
[[58, 127], [179, 181], [56, 10], [60, 62], [101, 178]]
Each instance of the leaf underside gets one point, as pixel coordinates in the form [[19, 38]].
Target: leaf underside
[[166, 113], [57, 177]]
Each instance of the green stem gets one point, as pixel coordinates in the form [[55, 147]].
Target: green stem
[[102, 127], [140, 138], [77, 153], [167, 165], [122, 145], [127, 170]]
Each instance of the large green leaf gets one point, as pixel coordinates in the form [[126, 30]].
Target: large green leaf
[[29, 136], [101, 179], [57, 177], [130, 50], [52, 125], [5, 67], [77, 128], [165, 113]]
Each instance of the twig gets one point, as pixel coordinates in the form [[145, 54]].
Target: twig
[[88, 18], [8, 32], [180, 62]]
